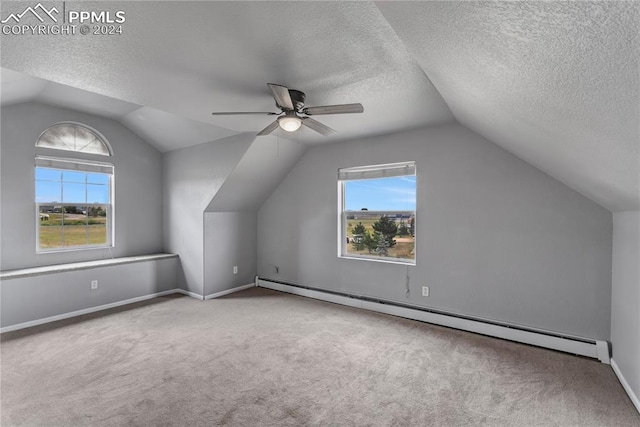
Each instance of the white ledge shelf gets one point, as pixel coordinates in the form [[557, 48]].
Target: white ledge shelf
[[85, 265]]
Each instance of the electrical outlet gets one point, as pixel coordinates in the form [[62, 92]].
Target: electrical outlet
[[235, 269], [425, 291], [94, 284]]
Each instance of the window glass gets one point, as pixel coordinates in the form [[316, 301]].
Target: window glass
[[97, 178], [47, 191], [73, 206], [74, 192], [73, 176], [97, 193], [73, 137]]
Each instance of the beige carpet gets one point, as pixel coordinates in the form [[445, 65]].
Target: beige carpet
[[264, 358]]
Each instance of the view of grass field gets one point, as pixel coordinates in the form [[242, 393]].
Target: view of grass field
[[78, 230], [73, 207], [404, 247]]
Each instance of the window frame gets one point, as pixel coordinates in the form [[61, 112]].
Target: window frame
[[387, 170], [76, 165]]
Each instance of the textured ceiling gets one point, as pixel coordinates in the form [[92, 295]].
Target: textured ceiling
[[555, 83], [165, 131], [192, 58]]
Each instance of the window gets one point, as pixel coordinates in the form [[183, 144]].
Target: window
[[378, 212], [74, 137], [73, 203], [73, 197]]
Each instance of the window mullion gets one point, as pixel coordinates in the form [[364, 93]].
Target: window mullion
[[86, 216], [62, 209]]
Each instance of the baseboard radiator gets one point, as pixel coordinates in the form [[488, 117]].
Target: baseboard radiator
[[596, 349]]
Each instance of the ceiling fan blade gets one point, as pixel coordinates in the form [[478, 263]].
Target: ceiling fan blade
[[317, 126], [281, 95], [334, 109], [266, 131], [236, 113]]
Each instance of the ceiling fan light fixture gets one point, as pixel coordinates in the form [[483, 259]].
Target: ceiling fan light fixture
[[291, 105], [290, 123]]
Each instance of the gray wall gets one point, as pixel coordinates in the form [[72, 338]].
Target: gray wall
[[229, 240], [192, 176], [211, 193], [138, 184], [230, 218], [37, 297], [625, 297], [497, 238]]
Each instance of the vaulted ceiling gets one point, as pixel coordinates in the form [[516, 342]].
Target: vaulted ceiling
[[555, 83]]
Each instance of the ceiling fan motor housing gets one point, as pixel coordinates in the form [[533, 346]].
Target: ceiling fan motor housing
[[297, 98]]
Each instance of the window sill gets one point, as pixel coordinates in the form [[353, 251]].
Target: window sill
[[381, 259], [85, 265], [71, 249]]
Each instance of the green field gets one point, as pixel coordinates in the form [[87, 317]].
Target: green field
[[76, 231], [404, 247]]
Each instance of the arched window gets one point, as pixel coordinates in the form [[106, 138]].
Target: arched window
[[74, 137], [74, 196]]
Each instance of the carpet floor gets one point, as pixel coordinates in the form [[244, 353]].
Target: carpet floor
[[265, 358]]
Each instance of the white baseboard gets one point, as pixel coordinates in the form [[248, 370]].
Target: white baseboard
[[632, 395], [230, 291], [189, 294], [85, 311], [118, 304], [585, 347]]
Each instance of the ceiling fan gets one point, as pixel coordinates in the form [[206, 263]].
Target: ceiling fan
[[293, 114]]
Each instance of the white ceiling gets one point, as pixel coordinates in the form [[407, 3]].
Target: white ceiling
[[555, 83]]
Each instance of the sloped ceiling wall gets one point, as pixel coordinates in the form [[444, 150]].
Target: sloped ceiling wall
[[257, 174], [165, 131], [555, 83]]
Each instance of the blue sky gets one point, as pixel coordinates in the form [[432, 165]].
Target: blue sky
[[383, 194], [76, 187]]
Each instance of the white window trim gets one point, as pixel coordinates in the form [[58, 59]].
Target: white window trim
[[61, 163], [66, 163], [370, 172]]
